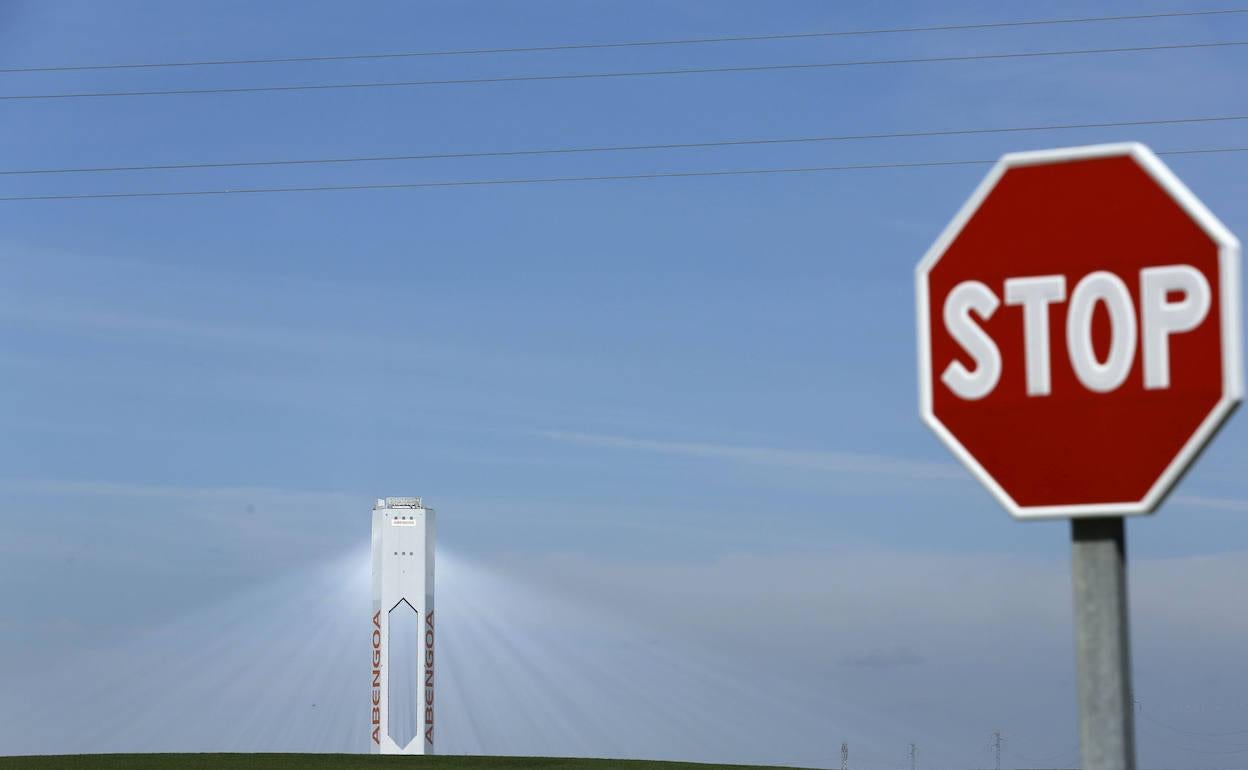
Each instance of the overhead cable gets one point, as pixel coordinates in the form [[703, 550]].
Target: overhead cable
[[624, 44], [624, 147], [550, 180], [618, 75]]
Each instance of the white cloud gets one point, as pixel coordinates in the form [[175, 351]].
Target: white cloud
[[176, 530], [900, 656], [1213, 503], [831, 462], [59, 312], [836, 462], [159, 491]]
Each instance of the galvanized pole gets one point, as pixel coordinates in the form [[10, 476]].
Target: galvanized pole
[[1102, 643]]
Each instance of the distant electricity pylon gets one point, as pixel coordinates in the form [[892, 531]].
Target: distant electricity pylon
[[996, 746], [844, 755], [914, 757]]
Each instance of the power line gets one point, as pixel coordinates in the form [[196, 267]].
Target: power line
[[551, 180], [626, 147], [628, 74], [625, 44], [495, 182]]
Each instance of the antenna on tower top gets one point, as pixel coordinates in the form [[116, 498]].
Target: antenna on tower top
[[844, 755]]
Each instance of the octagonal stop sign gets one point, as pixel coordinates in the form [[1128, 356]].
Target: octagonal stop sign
[[1079, 331]]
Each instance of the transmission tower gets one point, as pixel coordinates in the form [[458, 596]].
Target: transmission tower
[[996, 746], [844, 755], [914, 757]]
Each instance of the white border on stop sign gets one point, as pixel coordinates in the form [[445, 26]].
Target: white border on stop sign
[[1229, 301]]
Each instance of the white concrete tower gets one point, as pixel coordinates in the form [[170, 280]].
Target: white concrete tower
[[402, 707]]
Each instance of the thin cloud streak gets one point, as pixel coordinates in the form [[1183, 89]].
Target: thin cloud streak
[[1213, 503], [54, 312], [150, 524], [836, 462], [157, 491]]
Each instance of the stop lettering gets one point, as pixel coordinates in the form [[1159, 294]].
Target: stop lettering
[[1160, 317], [1079, 331]]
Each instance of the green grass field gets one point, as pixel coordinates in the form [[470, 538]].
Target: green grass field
[[334, 762]]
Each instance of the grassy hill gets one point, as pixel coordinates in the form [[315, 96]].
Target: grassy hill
[[335, 762]]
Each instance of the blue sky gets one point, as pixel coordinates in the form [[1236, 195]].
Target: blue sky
[[620, 379]]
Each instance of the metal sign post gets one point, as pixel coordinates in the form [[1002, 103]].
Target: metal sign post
[[1102, 643]]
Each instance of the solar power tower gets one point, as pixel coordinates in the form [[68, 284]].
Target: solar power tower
[[402, 707]]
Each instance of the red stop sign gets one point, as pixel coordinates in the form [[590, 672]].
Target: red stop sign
[[1079, 328]]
